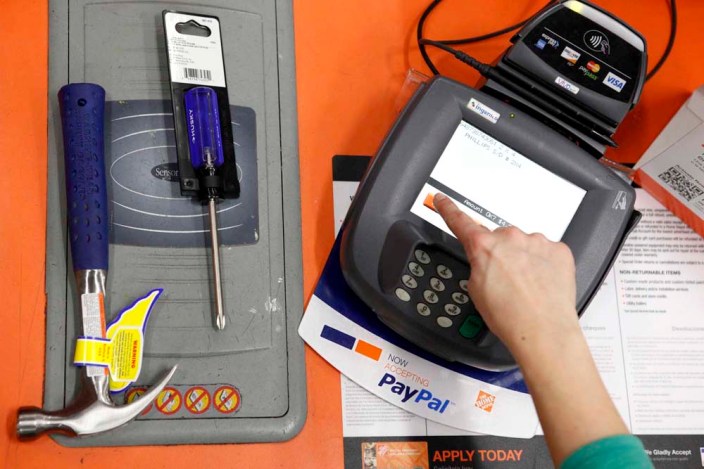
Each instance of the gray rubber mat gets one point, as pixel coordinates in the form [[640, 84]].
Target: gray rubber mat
[[243, 384]]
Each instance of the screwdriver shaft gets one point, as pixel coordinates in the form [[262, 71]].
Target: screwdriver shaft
[[220, 319]]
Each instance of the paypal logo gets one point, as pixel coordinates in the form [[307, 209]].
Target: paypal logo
[[408, 393], [614, 82]]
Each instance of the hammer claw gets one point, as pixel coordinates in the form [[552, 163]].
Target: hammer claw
[[95, 417]]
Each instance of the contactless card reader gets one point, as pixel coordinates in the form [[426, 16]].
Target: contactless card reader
[[501, 167], [576, 68]]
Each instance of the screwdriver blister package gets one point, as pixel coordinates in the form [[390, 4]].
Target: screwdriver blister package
[[197, 80], [204, 144]]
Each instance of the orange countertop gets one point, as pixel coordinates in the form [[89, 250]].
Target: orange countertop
[[352, 58]]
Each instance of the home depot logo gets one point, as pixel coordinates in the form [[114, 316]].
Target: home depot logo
[[485, 401]]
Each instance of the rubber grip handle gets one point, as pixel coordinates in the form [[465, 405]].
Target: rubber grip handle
[[82, 108]]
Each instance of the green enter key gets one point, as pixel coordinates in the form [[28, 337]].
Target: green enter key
[[471, 326]]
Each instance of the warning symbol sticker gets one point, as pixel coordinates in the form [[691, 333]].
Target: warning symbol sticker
[[135, 393], [227, 399], [168, 401], [197, 400]]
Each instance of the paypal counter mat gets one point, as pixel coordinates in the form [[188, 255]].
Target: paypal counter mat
[[346, 333], [245, 383]]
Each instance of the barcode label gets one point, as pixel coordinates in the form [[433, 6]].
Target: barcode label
[[197, 74], [683, 183], [92, 312], [194, 59]]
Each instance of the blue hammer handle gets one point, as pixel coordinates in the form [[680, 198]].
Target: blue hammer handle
[[82, 108]]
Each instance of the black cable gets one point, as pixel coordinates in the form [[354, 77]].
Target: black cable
[[483, 37], [481, 67], [670, 41], [419, 36], [500, 32], [468, 40]]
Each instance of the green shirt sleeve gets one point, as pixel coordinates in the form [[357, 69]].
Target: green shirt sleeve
[[613, 452]]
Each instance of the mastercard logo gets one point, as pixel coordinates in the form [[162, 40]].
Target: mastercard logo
[[593, 66]]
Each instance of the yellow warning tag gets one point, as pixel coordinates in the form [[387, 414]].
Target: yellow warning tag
[[121, 350], [93, 351]]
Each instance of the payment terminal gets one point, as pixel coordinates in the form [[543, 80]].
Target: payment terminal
[[576, 68], [502, 167]]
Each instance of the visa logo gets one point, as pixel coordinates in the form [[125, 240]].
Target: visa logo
[[407, 393], [614, 82]]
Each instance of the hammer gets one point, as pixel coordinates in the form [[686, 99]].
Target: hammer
[[82, 106]]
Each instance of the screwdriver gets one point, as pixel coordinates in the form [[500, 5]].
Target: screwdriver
[[207, 157]]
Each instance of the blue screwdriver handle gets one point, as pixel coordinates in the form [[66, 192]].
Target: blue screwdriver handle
[[82, 107]]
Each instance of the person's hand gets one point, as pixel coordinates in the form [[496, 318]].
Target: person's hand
[[524, 288], [523, 285]]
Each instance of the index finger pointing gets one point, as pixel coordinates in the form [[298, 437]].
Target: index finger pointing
[[459, 222]]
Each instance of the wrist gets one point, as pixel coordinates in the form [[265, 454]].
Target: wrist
[[543, 340]]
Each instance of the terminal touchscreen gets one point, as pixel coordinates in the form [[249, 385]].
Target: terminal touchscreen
[[500, 166], [484, 177]]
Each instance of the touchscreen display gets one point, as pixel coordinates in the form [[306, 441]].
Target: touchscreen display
[[497, 187]]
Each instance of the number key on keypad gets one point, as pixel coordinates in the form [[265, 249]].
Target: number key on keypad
[[460, 298], [416, 269], [422, 256], [402, 294], [423, 309], [409, 281], [437, 284], [444, 271], [430, 296], [444, 321]]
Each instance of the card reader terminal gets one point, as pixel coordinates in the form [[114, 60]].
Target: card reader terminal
[[578, 68], [501, 167]]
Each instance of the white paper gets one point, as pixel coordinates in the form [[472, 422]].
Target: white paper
[[688, 117], [660, 290], [680, 170]]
